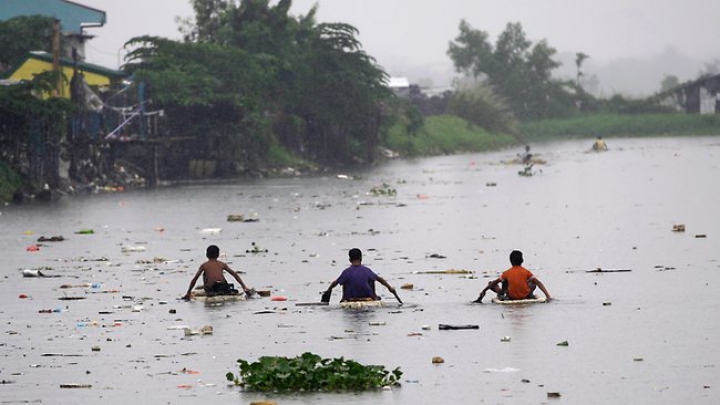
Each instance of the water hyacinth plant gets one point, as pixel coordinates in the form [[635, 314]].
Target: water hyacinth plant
[[310, 372]]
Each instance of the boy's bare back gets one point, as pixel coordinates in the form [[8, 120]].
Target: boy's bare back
[[213, 271]]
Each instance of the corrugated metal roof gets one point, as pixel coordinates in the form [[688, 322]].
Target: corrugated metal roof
[[73, 16]]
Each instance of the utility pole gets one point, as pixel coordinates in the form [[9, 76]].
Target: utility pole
[[56, 58]]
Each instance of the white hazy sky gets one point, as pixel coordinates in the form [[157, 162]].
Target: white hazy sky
[[404, 33]]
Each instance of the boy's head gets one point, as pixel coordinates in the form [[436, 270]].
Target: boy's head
[[355, 254], [516, 258], [213, 252]]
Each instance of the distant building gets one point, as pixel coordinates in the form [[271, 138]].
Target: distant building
[[94, 75], [400, 86], [701, 96], [74, 18]]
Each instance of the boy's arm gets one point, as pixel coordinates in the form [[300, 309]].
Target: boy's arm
[[192, 283], [386, 284], [491, 286], [236, 276], [542, 287]]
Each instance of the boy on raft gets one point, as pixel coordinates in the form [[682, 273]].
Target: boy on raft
[[214, 282], [515, 283]]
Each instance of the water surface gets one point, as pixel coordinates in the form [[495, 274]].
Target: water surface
[[645, 336]]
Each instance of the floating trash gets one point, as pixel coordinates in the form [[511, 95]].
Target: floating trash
[[132, 249], [443, 326], [211, 231], [75, 385], [51, 239]]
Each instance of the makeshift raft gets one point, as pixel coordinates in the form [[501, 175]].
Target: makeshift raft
[[360, 304], [538, 300], [200, 296], [344, 305]]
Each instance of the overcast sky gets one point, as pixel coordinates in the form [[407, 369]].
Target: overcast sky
[[406, 33]]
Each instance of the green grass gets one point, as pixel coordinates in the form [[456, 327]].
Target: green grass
[[622, 125], [445, 134], [9, 182]]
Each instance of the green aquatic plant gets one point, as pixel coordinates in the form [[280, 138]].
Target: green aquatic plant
[[527, 171], [310, 372], [384, 190]]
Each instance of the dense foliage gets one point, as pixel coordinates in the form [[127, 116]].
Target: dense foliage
[[31, 128], [249, 74], [20, 35], [516, 69], [310, 372]]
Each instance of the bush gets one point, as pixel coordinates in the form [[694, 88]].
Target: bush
[[445, 134], [9, 182], [480, 105]]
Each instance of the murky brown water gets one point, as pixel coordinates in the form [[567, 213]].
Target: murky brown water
[[654, 341]]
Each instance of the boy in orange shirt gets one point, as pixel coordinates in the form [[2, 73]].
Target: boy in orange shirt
[[518, 283]]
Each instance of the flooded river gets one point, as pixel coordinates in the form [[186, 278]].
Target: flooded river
[[649, 335]]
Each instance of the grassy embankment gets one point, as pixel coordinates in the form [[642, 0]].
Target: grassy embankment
[[9, 182], [621, 125], [445, 134]]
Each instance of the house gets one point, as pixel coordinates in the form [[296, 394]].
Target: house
[[74, 19], [701, 96], [399, 85], [94, 75]]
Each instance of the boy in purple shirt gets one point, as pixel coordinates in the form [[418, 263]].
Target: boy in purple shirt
[[358, 281]]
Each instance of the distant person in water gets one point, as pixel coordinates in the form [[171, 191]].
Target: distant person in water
[[515, 283], [599, 144], [527, 156], [357, 280], [214, 282]]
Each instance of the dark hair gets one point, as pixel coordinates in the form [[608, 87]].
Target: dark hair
[[516, 258], [212, 252], [355, 254]]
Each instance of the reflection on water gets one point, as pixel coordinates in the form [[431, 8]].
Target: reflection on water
[[648, 343]]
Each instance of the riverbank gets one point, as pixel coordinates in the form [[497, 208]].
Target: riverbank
[[445, 135], [621, 125]]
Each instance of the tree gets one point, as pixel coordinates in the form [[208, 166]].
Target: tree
[[23, 34], [579, 59], [251, 75], [477, 104], [515, 68], [669, 82]]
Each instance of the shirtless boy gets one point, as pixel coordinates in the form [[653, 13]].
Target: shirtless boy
[[214, 282]]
